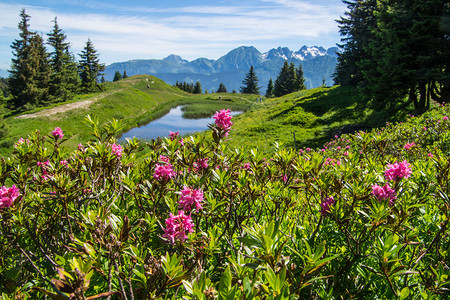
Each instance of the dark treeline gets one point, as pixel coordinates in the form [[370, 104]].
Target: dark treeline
[[395, 49], [289, 80], [189, 87], [39, 77]]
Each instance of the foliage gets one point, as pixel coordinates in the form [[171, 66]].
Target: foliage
[[117, 76], [250, 83], [64, 80], [289, 80], [395, 49], [198, 88], [95, 222], [222, 88], [28, 83], [269, 91], [89, 68]]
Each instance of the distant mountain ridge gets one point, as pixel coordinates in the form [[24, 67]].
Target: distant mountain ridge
[[4, 73], [317, 62]]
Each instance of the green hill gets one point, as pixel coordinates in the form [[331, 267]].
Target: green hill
[[315, 116], [135, 101]]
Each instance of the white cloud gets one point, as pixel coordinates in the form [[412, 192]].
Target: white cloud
[[190, 31]]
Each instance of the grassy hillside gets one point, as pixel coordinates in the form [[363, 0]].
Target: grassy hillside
[[128, 100], [314, 116]]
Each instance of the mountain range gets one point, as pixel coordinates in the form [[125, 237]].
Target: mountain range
[[317, 62]]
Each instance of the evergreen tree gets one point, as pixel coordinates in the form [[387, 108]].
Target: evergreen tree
[[356, 29], [250, 83], [269, 92], [64, 80], [117, 76], [28, 83], [197, 88], [89, 68], [102, 79], [43, 71], [300, 85], [125, 74], [222, 88], [22, 72], [396, 49]]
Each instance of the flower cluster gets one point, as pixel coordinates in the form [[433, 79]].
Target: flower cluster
[[173, 135], [8, 195], [44, 167], [383, 193], [116, 150], [398, 170], [163, 172], [190, 198], [177, 226], [201, 164], [409, 145], [20, 142], [58, 133], [223, 120], [325, 205]]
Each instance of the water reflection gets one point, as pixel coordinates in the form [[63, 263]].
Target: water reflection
[[172, 121]]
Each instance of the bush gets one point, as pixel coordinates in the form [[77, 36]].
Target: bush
[[364, 218]]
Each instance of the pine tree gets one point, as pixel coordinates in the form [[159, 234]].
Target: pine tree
[[28, 83], [125, 74], [269, 92], [198, 88], [300, 79], [357, 30], [250, 83], [64, 81], [117, 76], [89, 68], [222, 88], [41, 63]]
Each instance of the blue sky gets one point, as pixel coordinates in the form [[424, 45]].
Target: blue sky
[[146, 29]]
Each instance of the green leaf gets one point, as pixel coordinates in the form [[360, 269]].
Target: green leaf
[[404, 293], [225, 280]]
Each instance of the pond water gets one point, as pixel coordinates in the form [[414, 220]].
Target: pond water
[[172, 121]]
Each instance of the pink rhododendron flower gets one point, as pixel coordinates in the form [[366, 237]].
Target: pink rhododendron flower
[[325, 205], [181, 142], [190, 198], [21, 141], [385, 192], [163, 172], [173, 135], [247, 166], [398, 170], [177, 227], [223, 120], [58, 133], [409, 146], [116, 149], [63, 162], [8, 195], [164, 158], [201, 164], [430, 154], [445, 118]]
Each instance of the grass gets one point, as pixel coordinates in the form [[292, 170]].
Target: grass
[[128, 100], [307, 118]]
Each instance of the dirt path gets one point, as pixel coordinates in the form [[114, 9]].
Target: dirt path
[[66, 107]]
